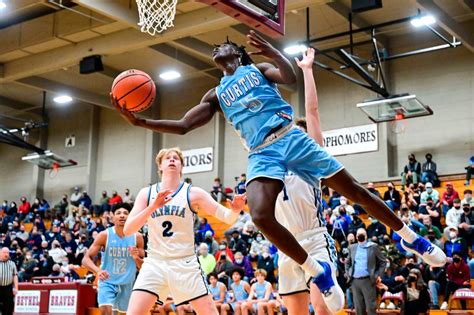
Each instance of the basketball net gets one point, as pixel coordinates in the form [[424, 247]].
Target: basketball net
[[398, 125], [156, 15], [54, 170]]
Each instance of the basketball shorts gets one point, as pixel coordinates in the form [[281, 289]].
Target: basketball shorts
[[116, 295], [293, 151], [181, 278], [319, 245]]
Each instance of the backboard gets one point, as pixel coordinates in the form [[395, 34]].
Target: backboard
[[48, 160], [265, 16], [393, 108]]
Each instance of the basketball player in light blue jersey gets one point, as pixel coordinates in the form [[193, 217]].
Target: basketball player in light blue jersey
[[121, 255], [217, 289], [239, 292], [249, 99], [260, 294]]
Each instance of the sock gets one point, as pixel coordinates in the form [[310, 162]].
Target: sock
[[407, 234], [312, 267]]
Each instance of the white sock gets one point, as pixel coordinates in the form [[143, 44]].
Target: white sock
[[312, 267], [407, 234]]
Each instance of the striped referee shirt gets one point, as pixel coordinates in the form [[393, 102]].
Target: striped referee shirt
[[7, 271]]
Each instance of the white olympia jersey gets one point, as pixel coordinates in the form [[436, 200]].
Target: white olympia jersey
[[299, 207], [170, 228]]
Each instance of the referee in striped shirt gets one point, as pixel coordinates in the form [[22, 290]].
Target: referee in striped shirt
[[8, 282]]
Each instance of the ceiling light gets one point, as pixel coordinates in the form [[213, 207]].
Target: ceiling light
[[423, 20], [3, 5], [62, 99], [295, 49], [170, 75]]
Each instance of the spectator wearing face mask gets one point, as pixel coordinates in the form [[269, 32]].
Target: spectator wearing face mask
[[103, 204], [430, 210], [265, 261], [24, 208], [343, 204], [128, 197], [453, 216], [28, 267], [428, 170], [468, 197], [85, 200], [57, 252], [455, 244], [334, 200], [458, 277], [448, 197], [466, 228], [371, 188], [411, 171], [224, 268], [429, 193], [392, 197], [62, 205], [428, 226], [207, 262], [237, 244], [376, 229], [340, 224], [259, 245], [224, 250], [243, 218], [115, 199], [4, 208], [248, 233], [241, 261], [211, 243], [75, 196], [390, 251]]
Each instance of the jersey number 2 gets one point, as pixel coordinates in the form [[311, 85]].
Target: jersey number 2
[[167, 225]]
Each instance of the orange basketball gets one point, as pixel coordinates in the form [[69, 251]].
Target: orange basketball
[[134, 89]]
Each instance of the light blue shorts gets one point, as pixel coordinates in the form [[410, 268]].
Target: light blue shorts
[[297, 152], [116, 295]]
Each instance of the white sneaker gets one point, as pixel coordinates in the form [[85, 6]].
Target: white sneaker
[[332, 293], [430, 253], [391, 306], [444, 306], [382, 305]]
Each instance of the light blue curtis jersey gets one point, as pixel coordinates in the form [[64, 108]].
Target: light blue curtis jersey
[[261, 289], [116, 258], [252, 104]]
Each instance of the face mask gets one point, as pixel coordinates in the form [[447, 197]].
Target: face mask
[[410, 266], [28, 257], [457, 259], [390, 188], [411, 279], [386, 241], [431, 238], [238, 261], [343, 212], [387, 265], [468, 197], [457, 207], [411, 159], [430, 205], [361, 238], [466, 210], [375, 221], [221, 247], [452, 234], [343, 202], [258, 239], [430, 190]]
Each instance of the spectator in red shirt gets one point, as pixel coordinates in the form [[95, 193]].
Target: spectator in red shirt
[[24, 208], [458, 277], [448, 198], [115, 198]]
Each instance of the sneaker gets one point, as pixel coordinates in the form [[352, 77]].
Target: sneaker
[[444, 306], [431, 254], [382, 305], [332, 293], [391, 306]]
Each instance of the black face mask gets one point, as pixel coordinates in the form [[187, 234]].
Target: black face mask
[[466, 210], [411, 159], [411, 279], [410, 266], [361, 238], [457, 207], [456, 259], [431, 238], [386, 241], [342, 212], [390, 188]]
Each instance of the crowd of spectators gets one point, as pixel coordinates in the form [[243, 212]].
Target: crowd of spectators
[[446, 218]]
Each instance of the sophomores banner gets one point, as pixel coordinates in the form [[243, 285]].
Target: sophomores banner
[[351, 140], [198, 160]]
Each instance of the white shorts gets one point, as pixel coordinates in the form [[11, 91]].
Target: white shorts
[[319, 245], [181, 278]]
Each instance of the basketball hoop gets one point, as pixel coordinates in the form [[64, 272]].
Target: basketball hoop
[[54, 170], [156, 15], [398, 125]]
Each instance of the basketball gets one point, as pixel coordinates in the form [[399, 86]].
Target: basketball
[[134, 90]]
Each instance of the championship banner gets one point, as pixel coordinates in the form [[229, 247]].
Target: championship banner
[[351, 140], [27, 301], [198, 160], [62, 301]]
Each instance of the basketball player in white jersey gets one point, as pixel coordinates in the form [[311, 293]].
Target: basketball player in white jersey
[[299, 209], [172, 267]]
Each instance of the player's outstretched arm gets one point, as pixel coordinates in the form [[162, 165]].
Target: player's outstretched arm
[[196, 117], [200, 199], [141, 212], [285, 73], [87, 261], [310, 96]]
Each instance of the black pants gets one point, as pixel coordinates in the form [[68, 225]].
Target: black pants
[[451, 287], [7, 298], [469, 172]]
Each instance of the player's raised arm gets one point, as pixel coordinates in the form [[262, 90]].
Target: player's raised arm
[[196, 117], [311, 96], [141, 211], [87, 261], [284, 73], [202, 200]]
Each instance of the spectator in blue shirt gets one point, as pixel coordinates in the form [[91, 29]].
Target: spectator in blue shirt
[[85, 200], [241, 188]]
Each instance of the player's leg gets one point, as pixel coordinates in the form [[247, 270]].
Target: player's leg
[[106, 297], [141, 303], [204, 305], [317, 301], [245, 307], [105, 310], [297, 303], [346, 185], [262, 307], [225, 308]]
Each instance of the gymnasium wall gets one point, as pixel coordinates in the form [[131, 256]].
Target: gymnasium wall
[[443, 80]]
